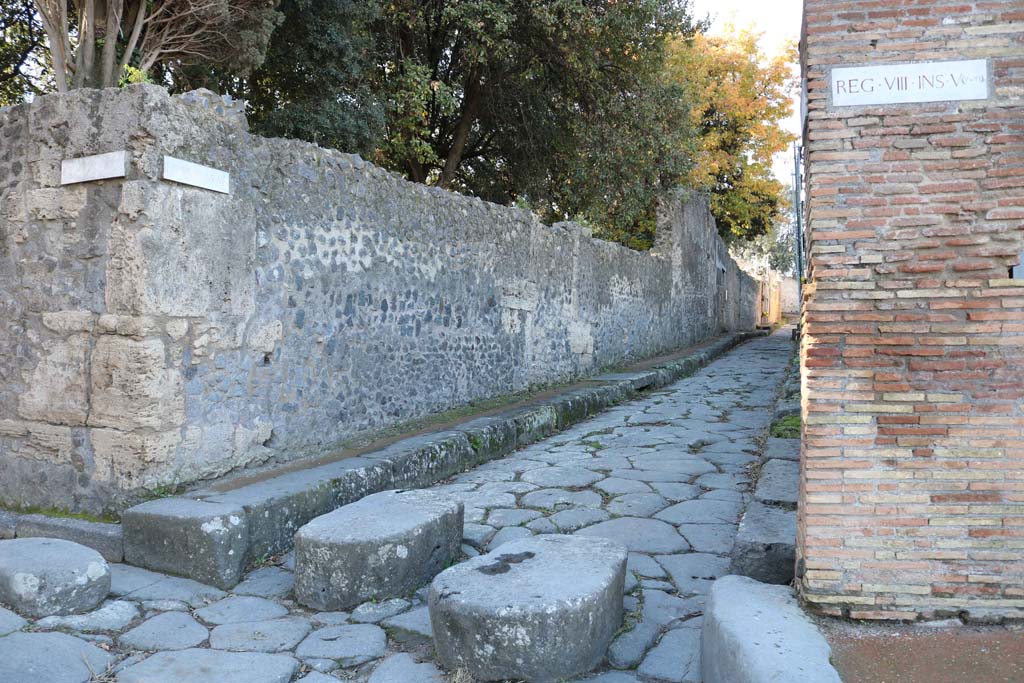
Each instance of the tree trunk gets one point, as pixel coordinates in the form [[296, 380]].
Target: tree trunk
[[470, 104]]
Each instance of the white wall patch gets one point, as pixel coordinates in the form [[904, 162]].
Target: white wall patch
[[197, 175], [94, 167]]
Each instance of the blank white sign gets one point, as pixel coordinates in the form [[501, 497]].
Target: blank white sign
[[188, 173], [94, 167], [907, 83]]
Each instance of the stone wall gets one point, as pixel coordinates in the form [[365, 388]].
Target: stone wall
[[912, 494], [156, 333]]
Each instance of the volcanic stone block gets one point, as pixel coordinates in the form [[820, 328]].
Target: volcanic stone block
[[756, 633], [192, 538], [779, 483], [537, 609], [40, 577], [105, 539], [765, 547], [383, 546]]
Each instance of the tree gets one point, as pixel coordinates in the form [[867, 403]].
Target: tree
[[23, 67], [92, 41], [739, 99]]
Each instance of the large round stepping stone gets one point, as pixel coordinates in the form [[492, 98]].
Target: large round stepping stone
[[538, 609], [211, 666], [383, 546], [50, 657], [40, 577]]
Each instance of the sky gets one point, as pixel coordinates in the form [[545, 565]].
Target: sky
[[779, 21]]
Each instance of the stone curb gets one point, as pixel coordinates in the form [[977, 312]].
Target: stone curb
[[105, 538], [275, 508], [757, 633]]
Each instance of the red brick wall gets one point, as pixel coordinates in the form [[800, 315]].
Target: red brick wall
[[912, 486]]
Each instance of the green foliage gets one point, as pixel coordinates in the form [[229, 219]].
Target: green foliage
[[24, 70], [786, 428]]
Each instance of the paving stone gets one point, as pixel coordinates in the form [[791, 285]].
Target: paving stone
[[167, 631], [615, 486], [267, 582], [8, 524], [330, 618], [9, 622], [402, 668], [661, 462], [415, 621], [652, 476], [211, 666], [500, 518], [40, 577], [726, 494], [320, 664], [240, 608], [577, 518], [468, 550], [519, 612], [629, 648], [782, 449], [765, 547], [645, 565], [676, 658], [196, 539], [106, 539], [701, 511], [509, 533], [372, 612], [50, 658], [717, 480], [694, 572], [636, 504], [639, 535], [113, 615], [664, 610], [610, 677], [556, 499], [543, 525], [709, 538], [385, 545], [656, 584], [317, 677], [676, 492], [779, 483], [570, 477], [275, 635], [347, 645], [165, 606]]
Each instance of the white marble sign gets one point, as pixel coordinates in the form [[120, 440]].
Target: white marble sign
[[188, 173], [906, 83], [94, 167]]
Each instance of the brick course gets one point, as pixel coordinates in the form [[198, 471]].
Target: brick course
[[912, 481]]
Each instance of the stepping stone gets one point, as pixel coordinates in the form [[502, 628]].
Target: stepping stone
[[569, 477], [675, 659], [241, 608], [402, 668], [167, 631], [765, 547], [639, 535], [267, 582], [50, 658], [275, 635], [112, 616], [211, 666], [347, 645], [538, 609], [385, 545], [694, 572], [40, 577], [372, 612], [779, 483], [10, 622]]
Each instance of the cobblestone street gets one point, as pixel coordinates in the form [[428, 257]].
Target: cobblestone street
[[667, 476]]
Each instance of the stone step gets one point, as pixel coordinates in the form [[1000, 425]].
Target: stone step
[[188, 537], [384, 546], [538, 609]]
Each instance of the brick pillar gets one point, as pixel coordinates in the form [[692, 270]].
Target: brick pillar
[[912, 482]]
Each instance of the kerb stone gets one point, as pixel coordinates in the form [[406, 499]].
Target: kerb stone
[[538, 609], [383, 546], [192, 538], [765, 547], [106, 539]]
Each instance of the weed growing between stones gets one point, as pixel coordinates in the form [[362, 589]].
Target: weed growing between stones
[[787, 428]]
